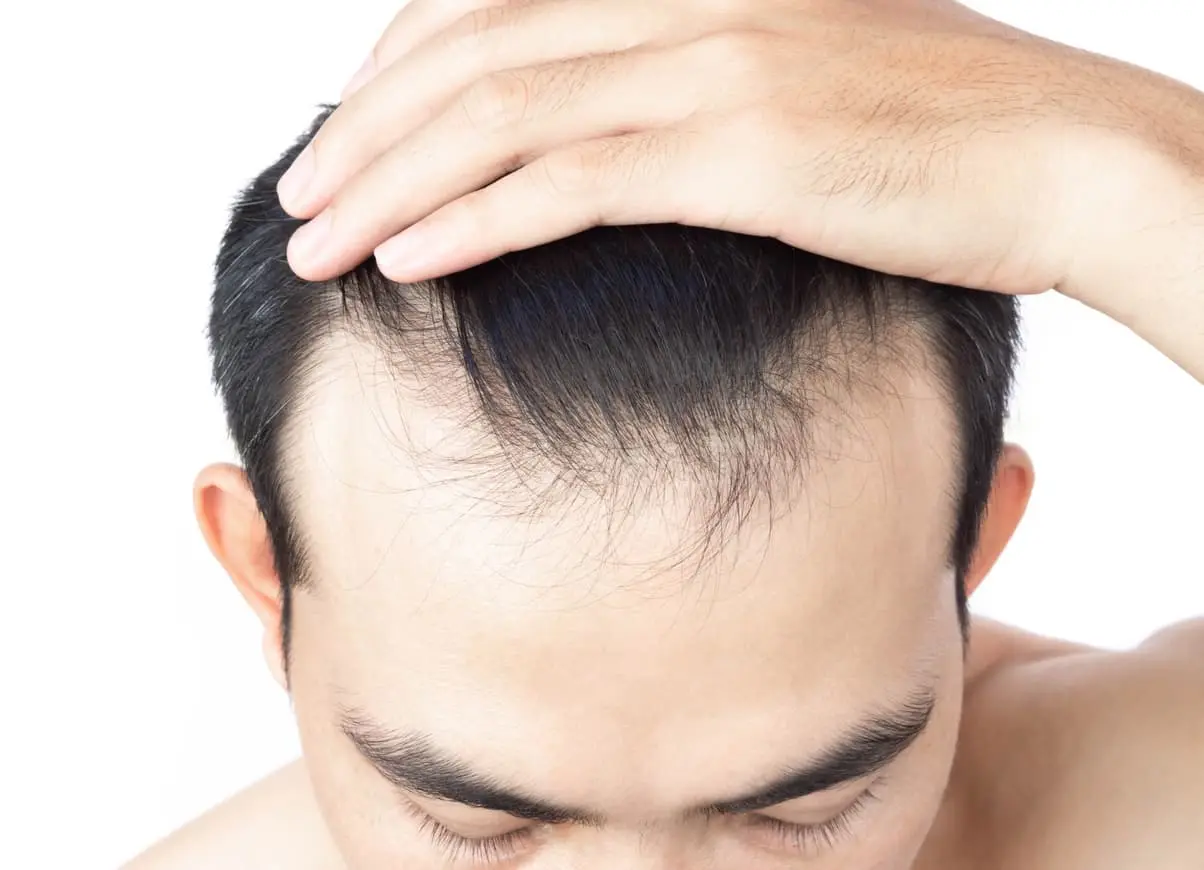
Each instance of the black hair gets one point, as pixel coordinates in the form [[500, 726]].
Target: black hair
[[664, 338]]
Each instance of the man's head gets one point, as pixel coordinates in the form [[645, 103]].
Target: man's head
[[649, 547]]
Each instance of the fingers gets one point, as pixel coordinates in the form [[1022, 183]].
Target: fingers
[[417, 22], [558, 195], [491, 129], [635, 178], [414, 88]]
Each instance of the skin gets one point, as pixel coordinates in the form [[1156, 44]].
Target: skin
[[587, 670], [519, 651]]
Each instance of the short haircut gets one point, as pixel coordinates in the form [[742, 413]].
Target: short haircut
[[689, 350]]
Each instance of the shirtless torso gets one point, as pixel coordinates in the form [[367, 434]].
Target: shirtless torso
[[1071, 758]]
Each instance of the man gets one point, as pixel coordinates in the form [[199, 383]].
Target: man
[[649, 547]]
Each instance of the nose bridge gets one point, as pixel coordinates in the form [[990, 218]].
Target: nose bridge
[[636, 848]]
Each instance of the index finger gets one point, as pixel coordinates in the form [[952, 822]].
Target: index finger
[[417, 22]]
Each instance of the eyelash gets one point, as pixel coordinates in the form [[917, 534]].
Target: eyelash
[[494, 850], [486, 850], [814, 838]]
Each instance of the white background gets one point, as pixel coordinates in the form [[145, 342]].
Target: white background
[[133, 695]]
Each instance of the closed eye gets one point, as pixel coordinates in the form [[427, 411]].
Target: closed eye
[[494, 849], [813, 838]]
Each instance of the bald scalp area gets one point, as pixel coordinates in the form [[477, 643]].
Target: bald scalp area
[[385, 461]]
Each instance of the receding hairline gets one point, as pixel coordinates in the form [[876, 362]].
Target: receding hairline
[[426, 369], [357, 360]]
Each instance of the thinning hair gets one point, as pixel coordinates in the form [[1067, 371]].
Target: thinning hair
[[619, 353]]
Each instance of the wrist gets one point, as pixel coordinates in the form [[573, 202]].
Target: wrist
[[1133, 219], [1128, 165], [1131, 214]]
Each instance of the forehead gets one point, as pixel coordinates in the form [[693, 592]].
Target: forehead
[[448, 614]]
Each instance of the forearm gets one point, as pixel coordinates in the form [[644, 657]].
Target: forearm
[[1139, 210]]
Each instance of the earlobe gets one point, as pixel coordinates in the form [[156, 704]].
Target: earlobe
[[1010, 491], [237, 535]]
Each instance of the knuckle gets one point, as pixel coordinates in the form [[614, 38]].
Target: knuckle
[[749, 63], [478, 23], [498, 100], [733, 51], [574, 171], [479, 34]]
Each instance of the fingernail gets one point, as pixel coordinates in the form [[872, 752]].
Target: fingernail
[[413, 252], [307, 242], [361, 77], [293, 183]]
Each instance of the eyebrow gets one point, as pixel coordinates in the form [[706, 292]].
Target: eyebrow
[[412, 762]]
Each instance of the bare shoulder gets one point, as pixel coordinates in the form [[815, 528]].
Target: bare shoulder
[[1095, 758], [273, 823]]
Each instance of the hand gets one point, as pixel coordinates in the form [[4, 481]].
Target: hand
[[914, 137]]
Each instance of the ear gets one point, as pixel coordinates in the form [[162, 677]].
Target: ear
[[237, 535], [1010, 492]]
